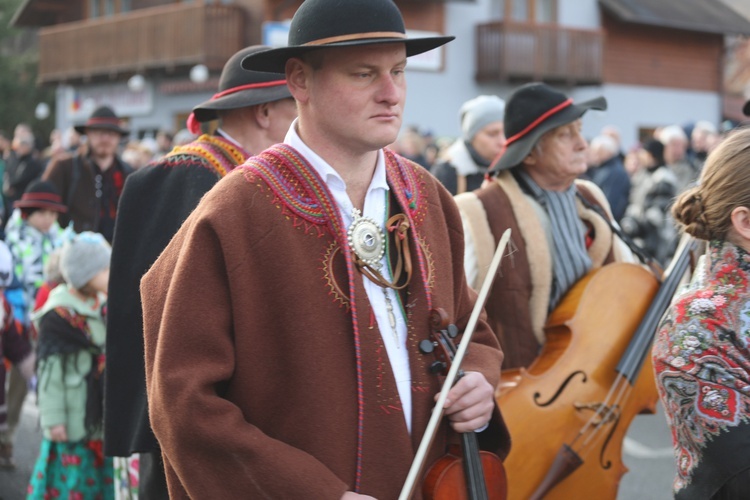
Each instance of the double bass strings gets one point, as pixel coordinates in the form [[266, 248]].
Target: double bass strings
[[632, 362]]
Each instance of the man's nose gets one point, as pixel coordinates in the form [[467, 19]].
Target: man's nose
[[390, 90]]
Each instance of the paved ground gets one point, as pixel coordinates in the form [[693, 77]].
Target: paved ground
[[13, 483], [647, 453]]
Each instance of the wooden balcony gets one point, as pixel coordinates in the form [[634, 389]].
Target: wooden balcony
[[163, 38], [513, 51]]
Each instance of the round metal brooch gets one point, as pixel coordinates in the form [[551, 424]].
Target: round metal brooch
[[366, 239]]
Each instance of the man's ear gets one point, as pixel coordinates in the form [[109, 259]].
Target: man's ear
[[297, 73], [262, 114], [531, 158], [741, 221]]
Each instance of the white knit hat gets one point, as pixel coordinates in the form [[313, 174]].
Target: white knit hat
[[6, 265], [479, 112], [83, 257]]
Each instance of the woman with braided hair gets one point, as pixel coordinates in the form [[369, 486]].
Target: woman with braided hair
[[702, 349]]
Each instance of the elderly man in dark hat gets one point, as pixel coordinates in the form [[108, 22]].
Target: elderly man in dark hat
[[254, 110], [282, 336], [91, 185], [555, 219]]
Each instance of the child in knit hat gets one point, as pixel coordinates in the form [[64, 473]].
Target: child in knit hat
[[14, 347], [70, 369]]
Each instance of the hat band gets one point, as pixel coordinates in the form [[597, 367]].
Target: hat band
[[41, 197], [357, 36], [195, 127], [103, 121], [539, 120], [249, 86]]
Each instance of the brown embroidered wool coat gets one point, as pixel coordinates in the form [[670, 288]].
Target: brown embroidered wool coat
[[265, 379]]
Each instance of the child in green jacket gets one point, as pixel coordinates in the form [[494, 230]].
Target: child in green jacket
[[70, 375]]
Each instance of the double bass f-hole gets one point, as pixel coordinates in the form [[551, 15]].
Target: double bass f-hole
[[559, 389], [604, 414]]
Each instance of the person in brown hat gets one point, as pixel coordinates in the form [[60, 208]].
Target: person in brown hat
[[32, 234], [254, 110], [281, 335], [91, 184], [556, 220]]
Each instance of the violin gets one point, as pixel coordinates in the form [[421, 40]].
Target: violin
[[449, 359], [467, 473]]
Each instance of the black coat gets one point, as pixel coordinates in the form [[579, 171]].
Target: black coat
[[20, 171], [614, 181], [155, 202]]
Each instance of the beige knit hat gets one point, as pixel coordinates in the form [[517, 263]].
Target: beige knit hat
[[83, 257]]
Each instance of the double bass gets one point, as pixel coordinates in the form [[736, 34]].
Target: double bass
[[569, 411]]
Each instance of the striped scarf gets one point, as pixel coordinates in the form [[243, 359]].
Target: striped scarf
[[570, 259]]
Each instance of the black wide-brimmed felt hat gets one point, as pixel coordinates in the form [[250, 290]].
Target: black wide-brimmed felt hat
[[532, 110], [42, 195], [341, 23], [103, 118], [239, 88]]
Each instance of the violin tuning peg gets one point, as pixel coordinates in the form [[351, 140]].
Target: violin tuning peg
[[438, 367], [426, 347], [452, 331]]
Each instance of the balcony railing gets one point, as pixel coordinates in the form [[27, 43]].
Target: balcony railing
[[512, 51], [163, 37]]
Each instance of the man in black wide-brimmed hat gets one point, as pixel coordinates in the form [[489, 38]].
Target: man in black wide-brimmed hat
[[556, 220], [254, 110], [91, 185], [282, 322]]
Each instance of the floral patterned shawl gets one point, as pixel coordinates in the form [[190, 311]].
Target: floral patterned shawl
[[702, 364]]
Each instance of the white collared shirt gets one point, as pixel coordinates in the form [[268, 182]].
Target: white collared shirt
[[375, 208], [230, 138]]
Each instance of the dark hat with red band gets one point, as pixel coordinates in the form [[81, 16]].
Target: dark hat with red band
[[103, 118], [42, 195], [531, 111], [334, 23], [239, 89]]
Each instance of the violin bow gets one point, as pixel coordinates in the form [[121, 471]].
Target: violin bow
[[437, 412]]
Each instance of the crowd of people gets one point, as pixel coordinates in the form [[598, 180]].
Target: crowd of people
[[271, 282]]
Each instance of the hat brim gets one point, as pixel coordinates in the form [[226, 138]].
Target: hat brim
[[207, 111], [81, 129], [520, 149], [274, 60], [42, 205]]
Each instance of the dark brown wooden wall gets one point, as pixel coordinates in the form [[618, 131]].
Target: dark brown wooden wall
[[661, 57], [427, 16], [140, 4]]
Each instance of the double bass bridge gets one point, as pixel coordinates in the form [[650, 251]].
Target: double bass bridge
[[603, 413]]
